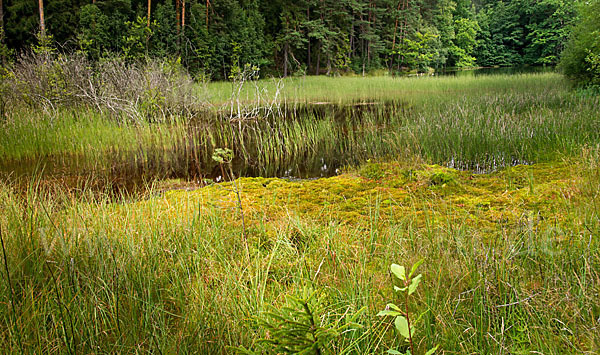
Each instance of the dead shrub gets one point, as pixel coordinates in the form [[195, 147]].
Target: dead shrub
[[155, 90]]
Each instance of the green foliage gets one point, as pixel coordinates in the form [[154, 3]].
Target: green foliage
[[6, 53], [342, 58], [45, 45], [502, 34], [593, 60], [236, 69], [404, 322], [302, 326], [523, 31], [135, 42], [6, 78], [464, 43], [548, 29], [223, 155], [103, 28], [163, 42], [419, 51], [372, 171], [441, 178], [307, 36], [580, 60]]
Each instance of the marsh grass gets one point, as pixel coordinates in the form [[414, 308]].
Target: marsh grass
[[479, 123], [512, 256], [386, 88], [513, 271]]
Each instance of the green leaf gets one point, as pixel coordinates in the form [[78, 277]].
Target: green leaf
[[414, 284], [388, 313], [402, 325], [393, 306], [421, 315], [432, 350], [400, 289], [394, 352], [415, 266], [399, 271]]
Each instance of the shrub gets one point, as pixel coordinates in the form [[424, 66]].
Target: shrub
[[580, 59], [154, 90]]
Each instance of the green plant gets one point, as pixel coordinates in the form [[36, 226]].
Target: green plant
[[579, 60], [441, 178], [135, 42], [402, 322], [302, 327], [224, 156], [45, 45], [372, 171]]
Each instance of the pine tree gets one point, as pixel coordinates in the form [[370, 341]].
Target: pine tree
[[42, 22]]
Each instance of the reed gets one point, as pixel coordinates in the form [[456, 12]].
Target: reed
[[467, 122]]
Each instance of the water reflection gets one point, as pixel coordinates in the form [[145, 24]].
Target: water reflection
[[263, 146], [495, 71], [300, 141]]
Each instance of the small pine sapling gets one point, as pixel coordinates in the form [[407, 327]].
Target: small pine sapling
[[300, 327]]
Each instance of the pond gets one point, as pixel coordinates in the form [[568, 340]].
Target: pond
[[296, 141], [315, 139], [495, 71]]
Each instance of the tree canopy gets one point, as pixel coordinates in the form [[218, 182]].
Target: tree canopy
[[302, 36], [581, 58]]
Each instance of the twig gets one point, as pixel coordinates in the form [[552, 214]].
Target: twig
[[517, 302]]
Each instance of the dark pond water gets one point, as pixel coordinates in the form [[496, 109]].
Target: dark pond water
[[300, 141], [259, 147], [495, 71]]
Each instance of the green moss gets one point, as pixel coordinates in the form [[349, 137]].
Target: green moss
[[485, 199], [372, 171], [441, 179]]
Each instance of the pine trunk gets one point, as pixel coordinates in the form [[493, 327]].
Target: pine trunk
[[400, 3], [318, 60], [2, 59], [177, 14], [308, 54], [42, 23], [207, 6], [1, 21], [183, 16], [149, 6]]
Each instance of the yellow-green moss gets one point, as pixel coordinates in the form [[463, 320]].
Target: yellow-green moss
[[485, 200]]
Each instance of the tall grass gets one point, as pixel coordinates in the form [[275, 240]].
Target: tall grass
[[386, 88], [169, 274], [467, 122]]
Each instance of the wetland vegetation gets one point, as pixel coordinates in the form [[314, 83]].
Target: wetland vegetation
[[378, 209], [317, 125], [507, 221]]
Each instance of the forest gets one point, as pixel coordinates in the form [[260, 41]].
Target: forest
[[299, 37]]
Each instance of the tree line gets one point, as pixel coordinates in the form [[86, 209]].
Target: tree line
[[286, 37]]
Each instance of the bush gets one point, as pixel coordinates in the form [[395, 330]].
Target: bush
[[581, 58], [154, 90]]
